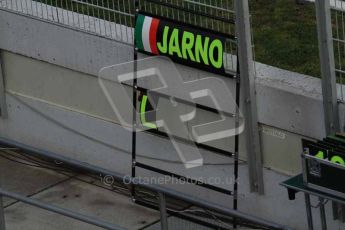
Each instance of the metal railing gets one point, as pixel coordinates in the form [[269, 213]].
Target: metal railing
[[111, 19], [114, 19], [338, 31], [337, 12], [216, 15], [208, 214]]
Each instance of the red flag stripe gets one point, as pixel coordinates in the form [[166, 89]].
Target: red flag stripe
[[153, 35]]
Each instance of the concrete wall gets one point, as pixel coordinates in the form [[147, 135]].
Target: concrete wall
[[55, 102]]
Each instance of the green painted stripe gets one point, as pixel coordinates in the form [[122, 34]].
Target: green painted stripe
[[142, 114], [138, 32]]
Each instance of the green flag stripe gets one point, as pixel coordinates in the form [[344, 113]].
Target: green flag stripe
[[138, 32]]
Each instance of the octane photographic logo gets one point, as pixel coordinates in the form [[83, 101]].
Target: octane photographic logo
[[176, 110]]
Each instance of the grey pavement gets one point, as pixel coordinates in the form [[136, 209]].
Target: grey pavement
[[81, 193], [68, 191]]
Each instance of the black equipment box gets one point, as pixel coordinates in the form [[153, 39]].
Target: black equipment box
[[323, 164]]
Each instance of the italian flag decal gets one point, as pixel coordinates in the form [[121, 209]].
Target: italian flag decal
[[146, 33]]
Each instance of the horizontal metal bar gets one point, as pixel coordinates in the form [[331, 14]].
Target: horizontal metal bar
[[189, 180], [135, 181], [183, 101], [209, 6], [228, 37], [178, 214], [338, 40], [340, 71], [62, 211], [231, 21], [103, 8], [186, 141], [337, 8]]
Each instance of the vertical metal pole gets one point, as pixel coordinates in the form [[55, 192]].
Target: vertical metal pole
[[163, 211], [329, 90], [308, 209], [245, 56], [238, 93], [2, 215], [3, 106], [2, 211], [134, 134], [323, 214]]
